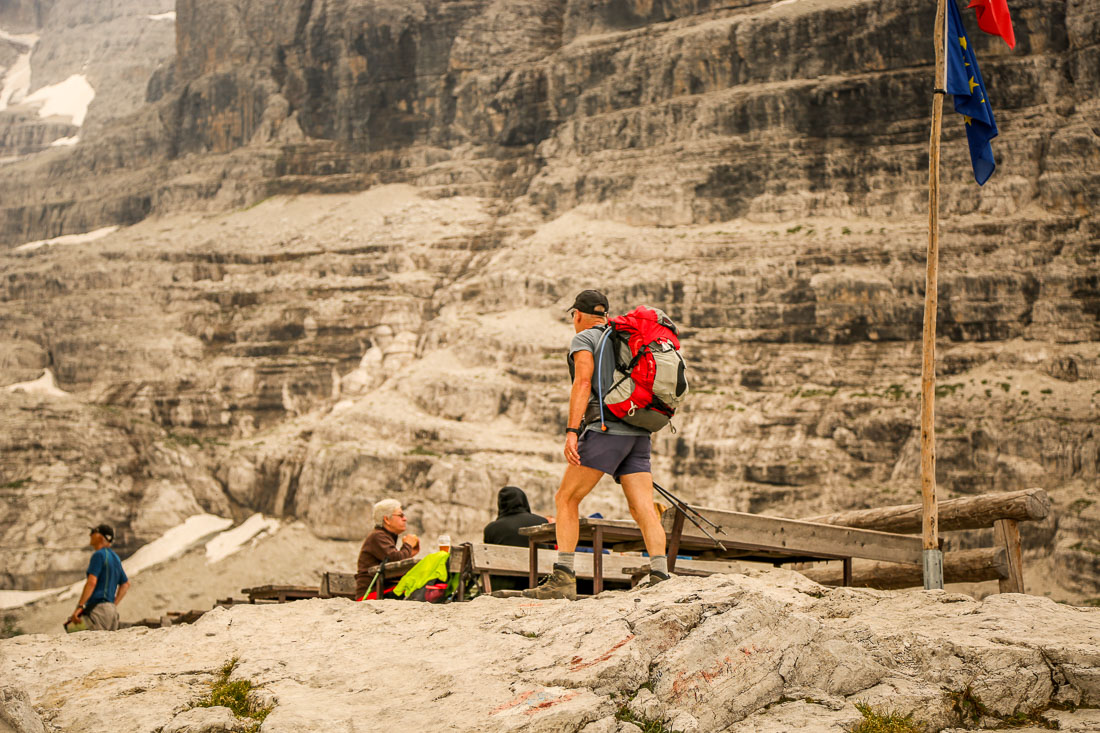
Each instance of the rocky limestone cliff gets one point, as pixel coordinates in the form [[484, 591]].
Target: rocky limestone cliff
[[658, 112], [749, 168], [767, 651], [113, 45]]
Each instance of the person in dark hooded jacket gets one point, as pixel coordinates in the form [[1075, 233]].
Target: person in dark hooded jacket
[[513, 512]]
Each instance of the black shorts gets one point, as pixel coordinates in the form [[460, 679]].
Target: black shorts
[[618, 455]]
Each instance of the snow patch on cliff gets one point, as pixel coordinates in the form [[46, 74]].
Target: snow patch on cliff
[[69, 238], [230, 541], [44, 385], [69, 98]]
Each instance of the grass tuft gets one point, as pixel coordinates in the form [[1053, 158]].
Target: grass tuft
[[887, 722], [968, 708], [235, 695], [647, 726]]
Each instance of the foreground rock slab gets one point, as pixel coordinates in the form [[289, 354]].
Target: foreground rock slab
[[768, 650]]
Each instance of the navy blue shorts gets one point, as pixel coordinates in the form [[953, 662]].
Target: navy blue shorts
[[618, 455]]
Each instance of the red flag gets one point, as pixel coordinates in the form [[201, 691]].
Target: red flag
[[993, 18]]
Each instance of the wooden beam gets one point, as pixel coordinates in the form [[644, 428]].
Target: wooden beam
[[796, 537], [969, 512], [965, 566], [515, 561], [1006, 534], [699, 568]]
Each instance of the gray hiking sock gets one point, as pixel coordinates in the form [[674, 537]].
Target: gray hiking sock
[[565, 560], [659, 564]]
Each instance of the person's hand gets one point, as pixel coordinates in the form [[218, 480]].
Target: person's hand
[[571, 453], [411, 540], [76, 616]]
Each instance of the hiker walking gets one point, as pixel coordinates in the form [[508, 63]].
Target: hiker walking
[[600, 441], [106, 584]]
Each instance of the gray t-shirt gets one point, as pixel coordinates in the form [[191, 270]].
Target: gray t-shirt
[[589, 340]]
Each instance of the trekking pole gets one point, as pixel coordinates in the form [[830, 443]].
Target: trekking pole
[[681, 503], [687, 511], [377, 575]]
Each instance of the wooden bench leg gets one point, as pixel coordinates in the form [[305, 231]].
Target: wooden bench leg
[[847, 572], [597, 561], [1006, 533], [674, 539], [464, 558], [486, 584], [533, 572]]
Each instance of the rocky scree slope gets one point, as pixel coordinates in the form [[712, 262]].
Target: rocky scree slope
[[767, 651]]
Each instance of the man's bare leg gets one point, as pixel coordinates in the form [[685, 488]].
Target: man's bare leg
[[576, 484], [638, 488]]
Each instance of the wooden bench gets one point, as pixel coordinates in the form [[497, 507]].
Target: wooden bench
[[171, 618], [1002, 562], [499, 560], [335, 584], [507, 560], [280, 593], [747, 536]]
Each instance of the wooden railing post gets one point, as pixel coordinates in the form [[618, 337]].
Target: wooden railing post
[[933, 557], [1006, 533]]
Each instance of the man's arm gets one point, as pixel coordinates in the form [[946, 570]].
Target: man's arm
[[89, 586], [121, 592], [383, 546], [583, 367]]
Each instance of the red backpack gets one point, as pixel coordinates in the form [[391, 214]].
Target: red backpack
[[651, 375]]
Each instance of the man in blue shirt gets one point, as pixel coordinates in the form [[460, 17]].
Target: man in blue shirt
[[106, 585]]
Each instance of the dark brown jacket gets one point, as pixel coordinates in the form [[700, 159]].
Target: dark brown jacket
[[380, 546]]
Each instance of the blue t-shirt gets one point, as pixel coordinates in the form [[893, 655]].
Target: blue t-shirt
[[108, 572]]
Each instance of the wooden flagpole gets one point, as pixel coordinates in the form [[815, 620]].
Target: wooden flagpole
[[933, 558]]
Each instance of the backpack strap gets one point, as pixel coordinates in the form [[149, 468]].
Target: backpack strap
[[599, 373]]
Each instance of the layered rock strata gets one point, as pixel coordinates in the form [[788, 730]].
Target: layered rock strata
[[316, 354]]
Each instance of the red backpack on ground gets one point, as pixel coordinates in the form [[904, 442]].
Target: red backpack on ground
[[651, 375]]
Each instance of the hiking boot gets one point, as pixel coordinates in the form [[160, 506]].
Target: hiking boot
[[561, 583], [654, 579]]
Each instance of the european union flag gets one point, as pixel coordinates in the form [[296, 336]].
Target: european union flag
[[964, 81]]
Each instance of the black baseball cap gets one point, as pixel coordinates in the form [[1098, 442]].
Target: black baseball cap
[[592, 302], [106, 530]]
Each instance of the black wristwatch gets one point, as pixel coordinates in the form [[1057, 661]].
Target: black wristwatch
[[574, 430]]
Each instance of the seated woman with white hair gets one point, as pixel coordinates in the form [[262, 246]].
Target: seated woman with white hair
[[381, 544]]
